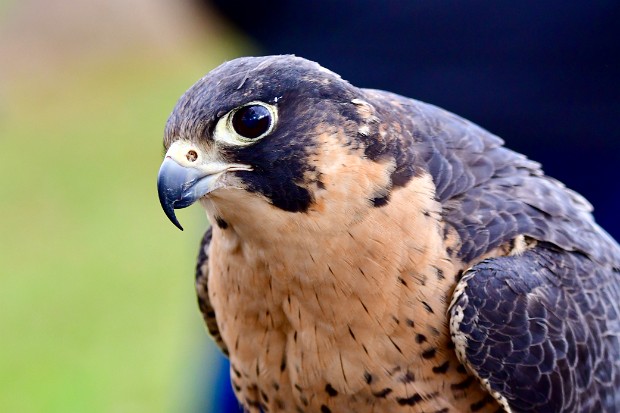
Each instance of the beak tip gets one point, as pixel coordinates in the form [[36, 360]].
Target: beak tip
[[177, 224], [172, 217], [168, 208]]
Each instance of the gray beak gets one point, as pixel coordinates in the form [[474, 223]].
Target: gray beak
[[180, 186]]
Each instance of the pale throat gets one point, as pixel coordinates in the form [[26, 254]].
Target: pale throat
[[334, 290], [327, 265]]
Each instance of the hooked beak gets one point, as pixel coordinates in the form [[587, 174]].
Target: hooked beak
[[186, 175]]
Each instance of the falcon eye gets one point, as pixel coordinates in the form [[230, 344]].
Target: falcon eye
[[252, 121], [246, 124]]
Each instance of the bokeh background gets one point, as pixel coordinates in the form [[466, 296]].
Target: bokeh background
[[97, 307]]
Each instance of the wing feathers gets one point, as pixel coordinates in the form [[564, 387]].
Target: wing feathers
[[528, 328]]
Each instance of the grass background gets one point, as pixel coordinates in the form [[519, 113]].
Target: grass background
[[97, 306]]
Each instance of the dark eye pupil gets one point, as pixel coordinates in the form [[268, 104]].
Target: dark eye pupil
[[251, 121]]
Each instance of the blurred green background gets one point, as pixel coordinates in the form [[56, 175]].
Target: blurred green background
[[97, 306]]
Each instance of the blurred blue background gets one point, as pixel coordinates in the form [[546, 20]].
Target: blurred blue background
[[97, 308]]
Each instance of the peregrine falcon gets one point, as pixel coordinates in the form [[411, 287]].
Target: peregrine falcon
[[373, 253]]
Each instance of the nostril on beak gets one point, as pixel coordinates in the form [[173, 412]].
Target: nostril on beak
[[191, 155]]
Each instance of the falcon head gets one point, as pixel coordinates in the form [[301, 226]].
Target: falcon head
[[270, 139]]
